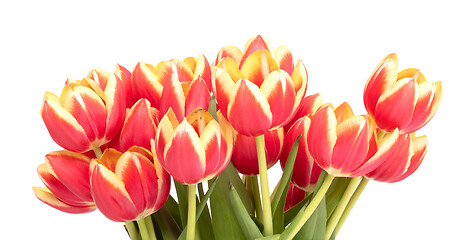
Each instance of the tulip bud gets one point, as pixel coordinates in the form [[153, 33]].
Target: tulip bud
[[259, 88], [294, 196], [305, 170], [403, 162], [128, 186], [403, 100], [345, 145], [245, 157], [66, 177], [194, 150], [88, 114]]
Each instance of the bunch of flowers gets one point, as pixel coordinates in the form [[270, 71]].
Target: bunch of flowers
[[125, 134]]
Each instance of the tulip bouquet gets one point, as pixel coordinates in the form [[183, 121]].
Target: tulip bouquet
[[222, 126]]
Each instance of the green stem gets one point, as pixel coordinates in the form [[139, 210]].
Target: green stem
[[98, 152], [150, 227], [143, 229], [191, 212], [256, 198], [132, 230], [295, 226], [341, 207], [265, 197], [351, 204]]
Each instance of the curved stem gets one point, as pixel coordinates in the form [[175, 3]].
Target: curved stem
[[296, 225], [265, 197], [341, 207], [191, 212], [132, 230], [351, 204], [143, 229]]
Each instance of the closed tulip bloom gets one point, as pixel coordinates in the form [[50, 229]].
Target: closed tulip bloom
[[403, 162], [128, 186], [126, 79], [139, 126], [403, 100], [88, 114], [294, 196], [194, 150], [263, 86], [149, 81], [67, 180], [245, 157], [308, 106], [305, 170], [345, 145]]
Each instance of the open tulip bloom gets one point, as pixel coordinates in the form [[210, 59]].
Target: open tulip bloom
[[124, 134]]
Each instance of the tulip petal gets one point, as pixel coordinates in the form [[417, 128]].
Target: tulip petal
[[300, 81], [258, 66], [231, 52], [285, 59], [125, 76], [322, 136], [63, 127], [139, 127], [383, 78], [185, 149], [198, 95], [145, 83], [115, 106], [140, 180], [44, 195], [426, 105], [254, 44], [280, 94], [72, 169], [110, 196], [223, 84], [396, 105], [203, 70], [248, 103], [419, 147], [215, 148], [173, 98], [343, 112], [164, 134]]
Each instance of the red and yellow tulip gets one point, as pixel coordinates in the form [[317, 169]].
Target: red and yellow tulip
[[403, 100], [194, 150], [305, 170], [403, 162], [179, 76], [294, 196], [245, 156], [308, 106], [89, 113], [263, 86], [128, 186], [346, 145], [67, 180]]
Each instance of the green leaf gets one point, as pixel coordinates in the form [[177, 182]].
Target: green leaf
[[290, 214], [249, 228], [166, 223], [314, 228], [273, 237], [182, 197], [173, 209], [237, 183], [225, 224]]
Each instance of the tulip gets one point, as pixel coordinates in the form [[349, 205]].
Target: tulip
[[346, 145], [149, 81], [128, 186], [66, 177], [305, 171], [403, 162], [88, 114], [139, 126], [194, 150], [403, 100], [263, 86], [294, 196], [308, 106], [245, 157]]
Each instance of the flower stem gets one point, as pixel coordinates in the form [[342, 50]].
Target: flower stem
[[98, 152], [143, 229], [191, 212], [296, 225], [150, 227], [265, 197], [132, 230], [341, 207], [351, 204]]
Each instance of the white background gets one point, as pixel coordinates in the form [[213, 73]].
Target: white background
[[44, 42]]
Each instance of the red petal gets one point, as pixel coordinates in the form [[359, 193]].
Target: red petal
[[254, 44], [203, 70], [125, 76], [258, 65], [285, 59], [173, 97], [222, 87], [139, 127], [48, 198], [248, 103], [308, 106], [115, 106], [419, 147], [229, 51], [322, 136], [198, 96], [145, 83]]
